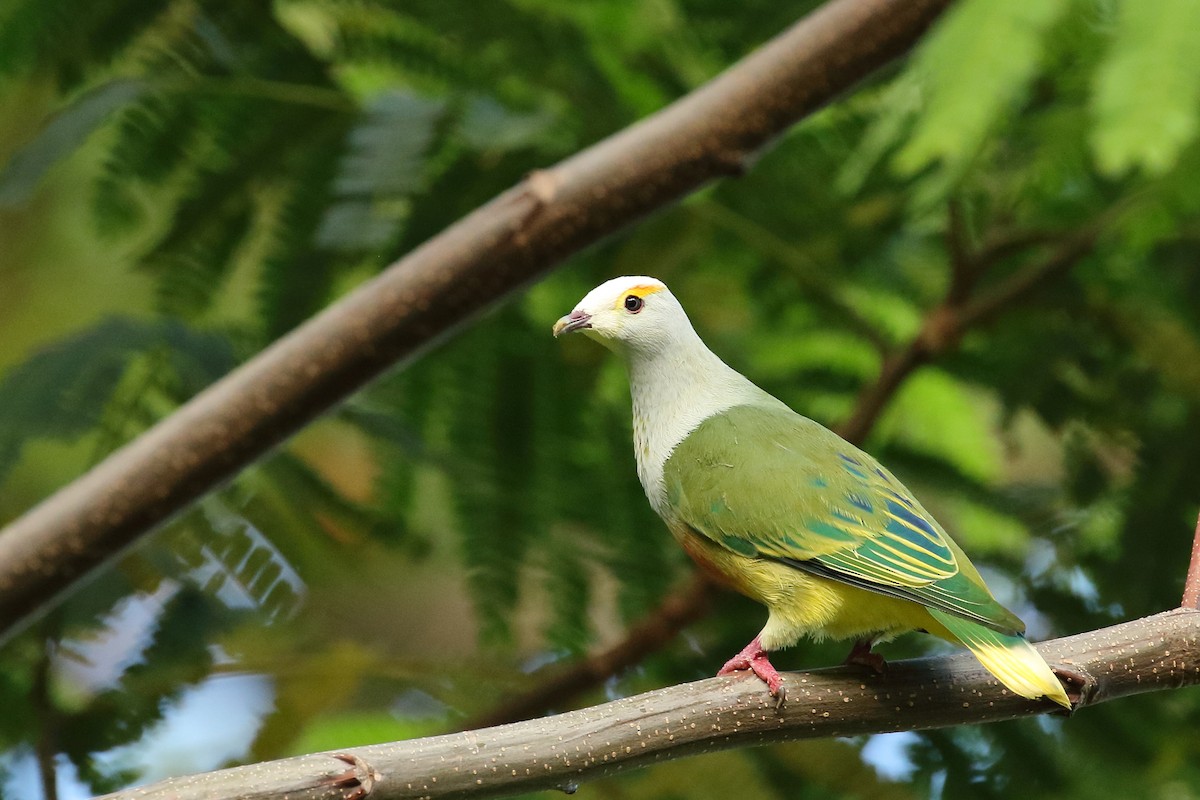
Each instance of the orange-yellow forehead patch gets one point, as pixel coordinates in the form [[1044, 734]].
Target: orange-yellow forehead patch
[[642, 290]]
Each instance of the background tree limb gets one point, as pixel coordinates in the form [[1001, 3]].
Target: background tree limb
[[959, 311], [715, 131], [1149, 654]]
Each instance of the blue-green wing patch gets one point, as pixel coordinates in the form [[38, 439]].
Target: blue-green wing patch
[[767, 483]]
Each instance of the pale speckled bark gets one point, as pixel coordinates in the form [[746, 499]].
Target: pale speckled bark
[[1158, 652], [715, 131]]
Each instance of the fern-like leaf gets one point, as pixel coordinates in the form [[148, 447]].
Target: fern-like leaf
[[976, 66], [66, 131], [71, 39], [61, 392], [1147, 98], [385, 159]]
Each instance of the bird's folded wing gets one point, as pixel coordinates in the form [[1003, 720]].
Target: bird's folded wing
[[767, 483]]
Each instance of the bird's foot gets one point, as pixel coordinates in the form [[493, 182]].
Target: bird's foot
[[754, 658], [862, 655]]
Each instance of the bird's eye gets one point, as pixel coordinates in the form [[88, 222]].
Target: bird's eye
[[633, 303]]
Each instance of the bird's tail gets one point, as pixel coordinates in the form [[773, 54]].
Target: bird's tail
[[1009, 657]]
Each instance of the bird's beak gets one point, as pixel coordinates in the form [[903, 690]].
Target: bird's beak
[[574, 321]]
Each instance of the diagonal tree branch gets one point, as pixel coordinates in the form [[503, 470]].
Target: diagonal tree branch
[[964, 265], [712, 132], [1150, 654], [1069, 252], [943, 328]]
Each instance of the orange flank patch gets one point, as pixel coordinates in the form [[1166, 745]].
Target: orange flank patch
[[696, 551], [700, 551]]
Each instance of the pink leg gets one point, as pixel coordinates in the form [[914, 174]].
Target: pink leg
[[754, 658], [861, 654]]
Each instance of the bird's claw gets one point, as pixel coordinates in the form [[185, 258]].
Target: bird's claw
[[862, 655], [754, 658]]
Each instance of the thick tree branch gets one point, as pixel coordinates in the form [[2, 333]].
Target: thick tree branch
[[964, 267], [715, 131], [1158, 652]]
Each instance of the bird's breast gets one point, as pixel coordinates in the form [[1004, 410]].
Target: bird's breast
[[650, 462]]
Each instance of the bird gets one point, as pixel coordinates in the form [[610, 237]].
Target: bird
[[778, 507]]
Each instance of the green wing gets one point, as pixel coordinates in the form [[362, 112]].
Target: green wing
[[768, 483]]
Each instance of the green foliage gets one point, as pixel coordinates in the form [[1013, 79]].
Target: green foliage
[[70, 42], [981, 61], [61, 392], [355, 729], [1147, 101], [476, 515], [61, 136]]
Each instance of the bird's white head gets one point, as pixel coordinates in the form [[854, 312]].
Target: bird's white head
[[633, 312], [676, 381]]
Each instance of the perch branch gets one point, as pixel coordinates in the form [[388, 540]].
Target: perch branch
[[1154, 653], [715, 131]]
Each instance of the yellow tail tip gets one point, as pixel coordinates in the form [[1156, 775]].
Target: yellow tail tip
[[1010, 658], [1020, 668]]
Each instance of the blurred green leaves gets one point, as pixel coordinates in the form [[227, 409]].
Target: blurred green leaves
[[85, 372], [973, 70], [986, 60], [63, 135], [1147, 95], [384, 160]]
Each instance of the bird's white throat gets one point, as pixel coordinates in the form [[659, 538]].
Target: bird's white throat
[[676, 387]]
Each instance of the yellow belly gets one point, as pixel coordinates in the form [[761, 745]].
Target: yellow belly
[[801, 604]]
